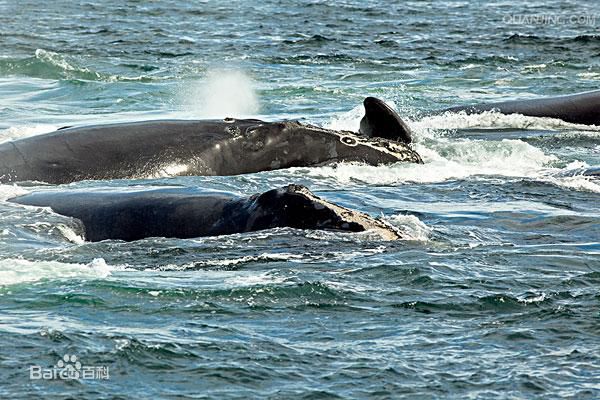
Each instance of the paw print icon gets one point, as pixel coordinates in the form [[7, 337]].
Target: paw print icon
[[69, 366]]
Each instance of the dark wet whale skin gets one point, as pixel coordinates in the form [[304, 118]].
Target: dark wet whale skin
[[581, 108], [187, 213], [179, 147]]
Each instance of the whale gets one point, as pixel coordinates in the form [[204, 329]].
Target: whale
[[165, 148], [184, 213], [580, 108]]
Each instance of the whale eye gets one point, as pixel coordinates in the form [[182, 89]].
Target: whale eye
[[348, 141]]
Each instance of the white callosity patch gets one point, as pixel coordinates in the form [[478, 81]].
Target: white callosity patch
[[385, 230], [400, 151]]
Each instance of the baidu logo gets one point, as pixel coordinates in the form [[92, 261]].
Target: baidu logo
[[68, 368]]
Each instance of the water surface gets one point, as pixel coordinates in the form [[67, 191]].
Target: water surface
[[495, 295]]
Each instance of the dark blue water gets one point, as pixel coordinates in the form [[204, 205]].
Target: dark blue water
[[495, 295]]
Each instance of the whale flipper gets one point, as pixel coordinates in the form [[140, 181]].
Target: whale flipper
[[381, 121]]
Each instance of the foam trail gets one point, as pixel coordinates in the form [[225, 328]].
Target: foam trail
[[223, 94]]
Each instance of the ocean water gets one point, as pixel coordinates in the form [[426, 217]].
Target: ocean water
[[494, 295]]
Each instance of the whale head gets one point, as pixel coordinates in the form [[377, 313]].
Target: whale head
[[296, 206], [381, 121], [292, 144]]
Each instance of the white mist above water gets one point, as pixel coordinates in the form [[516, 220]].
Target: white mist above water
[[223, 93]]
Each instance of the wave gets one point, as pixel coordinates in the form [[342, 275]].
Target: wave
[[497, 303], [10, 191], [314, 39], [51, 65], [576, 175], [447, 160], [231, 263], [536, 40], [411, 227], [17, 271]]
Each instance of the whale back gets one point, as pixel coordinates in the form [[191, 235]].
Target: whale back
[[188, 213], [581, 108], [153, 149]]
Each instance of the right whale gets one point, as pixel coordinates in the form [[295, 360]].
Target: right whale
[[188, 213], [148, 149], [580, 108]]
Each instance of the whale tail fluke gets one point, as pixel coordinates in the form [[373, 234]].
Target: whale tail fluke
[[381, 121]]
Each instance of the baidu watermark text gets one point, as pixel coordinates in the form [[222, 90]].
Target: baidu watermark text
[[69, 368], [551, 19]]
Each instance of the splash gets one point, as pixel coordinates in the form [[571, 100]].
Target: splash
[[448, 158], [223, 94], [348, 121], [10, 191], [412, 227], [57, 60]]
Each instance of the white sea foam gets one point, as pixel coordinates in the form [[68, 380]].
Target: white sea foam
[[348, 121], [230, 262], [450, 158], [411, 227], [23, 131], [56, 59], [580, 183], [494, 120], [69, 233], [432, 125], [255, 279], [10, 191], [15, 271]]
